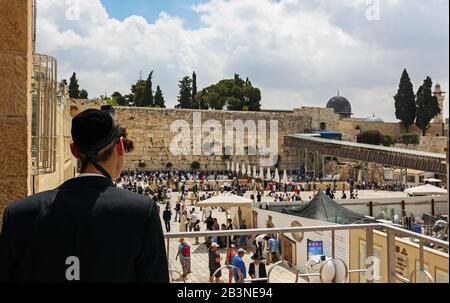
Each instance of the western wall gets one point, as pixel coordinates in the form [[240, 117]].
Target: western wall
[[150, 129]]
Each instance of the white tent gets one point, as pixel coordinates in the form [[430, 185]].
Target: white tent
[[249, 170], [244, 171], [226, 201], [237, 168], [269, 175], [261, 173], [254, 172], [426, 190]]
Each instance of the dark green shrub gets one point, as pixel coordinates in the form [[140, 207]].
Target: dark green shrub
[[195, 165], [410, 138], [372, 137]]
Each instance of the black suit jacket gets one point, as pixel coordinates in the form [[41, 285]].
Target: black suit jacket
[[115, 234], [262, 271]]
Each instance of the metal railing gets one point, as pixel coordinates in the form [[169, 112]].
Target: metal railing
[[391, 233], [44, 114]]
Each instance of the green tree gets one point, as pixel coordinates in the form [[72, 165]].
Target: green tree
[[427, 106], [83, 94], [185, 94], [236, 94], [147, 97], [119, 99], [194, 90], [159, 98], [200, 100], [405, 106], [138, 92], [74, 88]]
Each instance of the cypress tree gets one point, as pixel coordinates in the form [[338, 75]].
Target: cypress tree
[[74, 88], [405, 106], [427, 106], [194, 87], [185, 95], [147, 98], [159, 98]]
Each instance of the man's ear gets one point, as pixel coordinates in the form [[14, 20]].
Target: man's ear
[[74, 151], [121, 147]]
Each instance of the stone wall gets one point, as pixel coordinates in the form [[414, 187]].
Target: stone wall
[[15, 107], [79, 105], [428, 144], [150, 130], [352, 127]]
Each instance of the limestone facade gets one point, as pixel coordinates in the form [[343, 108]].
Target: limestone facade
[[15, 108], [150, 129]]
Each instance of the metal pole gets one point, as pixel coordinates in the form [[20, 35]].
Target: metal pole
[[369, 249], [421, 256], [168, 249], [391, 256], [333, 244]]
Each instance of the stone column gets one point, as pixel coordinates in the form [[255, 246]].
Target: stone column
[[15, 100]]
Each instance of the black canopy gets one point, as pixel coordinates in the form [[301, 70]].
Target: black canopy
[[324, 208]]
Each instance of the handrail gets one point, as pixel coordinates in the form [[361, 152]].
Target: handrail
[[246, 232]]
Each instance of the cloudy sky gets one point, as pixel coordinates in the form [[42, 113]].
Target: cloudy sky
[[299, 52]]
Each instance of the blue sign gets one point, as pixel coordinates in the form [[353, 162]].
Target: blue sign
[[315, 248]]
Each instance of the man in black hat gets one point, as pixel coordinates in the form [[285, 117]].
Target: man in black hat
[[257, 269], [87, 230]]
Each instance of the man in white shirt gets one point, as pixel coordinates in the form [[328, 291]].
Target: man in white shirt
[[207, 213]]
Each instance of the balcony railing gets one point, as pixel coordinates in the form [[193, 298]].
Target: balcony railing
[[391, 233]]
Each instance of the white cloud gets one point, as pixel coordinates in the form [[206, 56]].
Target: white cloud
[[299, 52]]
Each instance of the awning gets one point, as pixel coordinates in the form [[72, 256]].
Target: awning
[[426, 190], [226, 201]]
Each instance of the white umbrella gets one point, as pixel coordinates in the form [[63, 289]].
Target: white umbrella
[[269, 175], [285, 177], [226, 201], [277, 176], [254, 172], [426, 190], [261, 173]]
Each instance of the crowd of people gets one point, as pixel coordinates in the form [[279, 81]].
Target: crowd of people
[[192, 187], [267, 251]]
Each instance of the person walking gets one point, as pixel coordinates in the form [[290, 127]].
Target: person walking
[[87, 230], [231, 253], [240, 271], [184, 253], [167, 216], [257, 269], [183, 223], [177, 211], [196, 229], [214, 263]]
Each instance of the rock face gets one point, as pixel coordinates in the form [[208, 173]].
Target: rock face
[[150, 129]]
